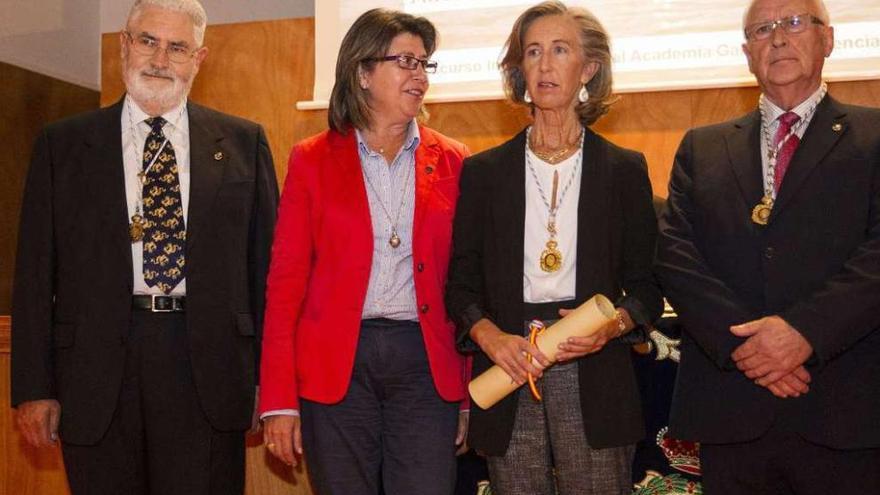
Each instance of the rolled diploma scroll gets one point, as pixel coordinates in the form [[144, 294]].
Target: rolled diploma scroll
[[587, 319]]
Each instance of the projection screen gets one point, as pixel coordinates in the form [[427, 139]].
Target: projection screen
[[656, 44]]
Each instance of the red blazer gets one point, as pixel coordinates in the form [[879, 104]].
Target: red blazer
[[320, 268]]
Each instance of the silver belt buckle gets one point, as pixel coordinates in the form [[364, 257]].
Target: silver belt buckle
[[153, 307]]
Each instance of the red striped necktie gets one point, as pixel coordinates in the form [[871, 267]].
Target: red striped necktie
[[783, 156]]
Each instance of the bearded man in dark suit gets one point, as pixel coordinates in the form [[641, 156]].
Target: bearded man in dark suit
[[143, 249]]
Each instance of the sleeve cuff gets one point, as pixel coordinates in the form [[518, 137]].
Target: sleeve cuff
[[636, 310], [279, 412], [466, 320]]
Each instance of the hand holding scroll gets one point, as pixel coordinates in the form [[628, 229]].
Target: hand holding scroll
[[509, 351], [575, 347], [589, 318]]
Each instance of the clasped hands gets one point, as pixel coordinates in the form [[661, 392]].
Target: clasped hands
[[773, 355]]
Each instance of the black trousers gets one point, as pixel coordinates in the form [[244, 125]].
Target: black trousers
[[392, 430], [159, 440], [783, 463]]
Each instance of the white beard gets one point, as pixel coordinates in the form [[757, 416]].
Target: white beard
[[163, 99]]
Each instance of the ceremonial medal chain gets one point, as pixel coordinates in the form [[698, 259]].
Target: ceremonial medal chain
[[137, 225], [761, 211], [551, 258]]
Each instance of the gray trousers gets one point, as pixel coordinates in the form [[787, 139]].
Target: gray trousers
[[548, 452]]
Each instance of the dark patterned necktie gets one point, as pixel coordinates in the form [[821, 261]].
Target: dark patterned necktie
[[164, 229], [783, 158]]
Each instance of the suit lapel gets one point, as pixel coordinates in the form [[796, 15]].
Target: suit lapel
[[426, 158], [744, 156], [106, 185], [509, 210], [818, 140], [592, 212], [207, 160]]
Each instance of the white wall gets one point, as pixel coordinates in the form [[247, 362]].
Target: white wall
[[62, 38], [58, 38]]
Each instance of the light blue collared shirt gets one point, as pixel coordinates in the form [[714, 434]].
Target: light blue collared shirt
[[391, 292]]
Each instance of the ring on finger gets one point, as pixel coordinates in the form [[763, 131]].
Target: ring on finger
[[270, 445]]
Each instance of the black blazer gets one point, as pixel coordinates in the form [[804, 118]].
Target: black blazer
[[817, 265], [73, 280], [616, 234]]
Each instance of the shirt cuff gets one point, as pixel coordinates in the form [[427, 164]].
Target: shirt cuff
[[279, 412]]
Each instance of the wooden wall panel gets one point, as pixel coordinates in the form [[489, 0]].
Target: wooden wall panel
[[30, 101], [23, 469]]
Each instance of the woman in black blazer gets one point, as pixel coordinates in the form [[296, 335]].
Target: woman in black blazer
[[544, 222]]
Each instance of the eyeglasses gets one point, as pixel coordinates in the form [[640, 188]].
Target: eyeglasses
[[792, 25], [407, 62], [148, 46]]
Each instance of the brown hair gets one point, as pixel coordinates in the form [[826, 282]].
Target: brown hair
[[595, 45], [369, 37]]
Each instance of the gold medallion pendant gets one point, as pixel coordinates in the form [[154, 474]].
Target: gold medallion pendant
[[761, 211], [551, 258], [136, 228]]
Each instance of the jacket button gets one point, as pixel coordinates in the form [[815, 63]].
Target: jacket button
[[424, 308], [769, 253], [420, 267]]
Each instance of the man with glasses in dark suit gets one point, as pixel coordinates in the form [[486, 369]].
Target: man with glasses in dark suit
[[140, 279], [770, 254]]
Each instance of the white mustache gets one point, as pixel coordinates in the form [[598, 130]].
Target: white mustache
[[167, 74]]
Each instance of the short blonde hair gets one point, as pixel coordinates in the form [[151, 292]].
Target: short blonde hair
[[594, 43]]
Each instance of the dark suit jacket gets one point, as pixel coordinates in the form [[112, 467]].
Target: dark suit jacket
[[73, 281], [817, 265], [616, 235]]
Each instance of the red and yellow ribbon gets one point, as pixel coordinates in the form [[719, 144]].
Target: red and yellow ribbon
[[536, 328]]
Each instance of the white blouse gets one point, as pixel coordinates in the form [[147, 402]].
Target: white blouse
[[538, 285]]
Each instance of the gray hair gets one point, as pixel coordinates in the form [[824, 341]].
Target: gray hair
[[821, 12], [192, 8]]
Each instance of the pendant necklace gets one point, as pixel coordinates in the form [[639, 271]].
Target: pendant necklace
[[394, 240], [761, 212], [551, 257]]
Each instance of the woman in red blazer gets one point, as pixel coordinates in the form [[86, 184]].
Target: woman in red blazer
[[359, 366]]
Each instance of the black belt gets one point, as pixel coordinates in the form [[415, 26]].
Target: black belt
[[387, 322], [159, 304]]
